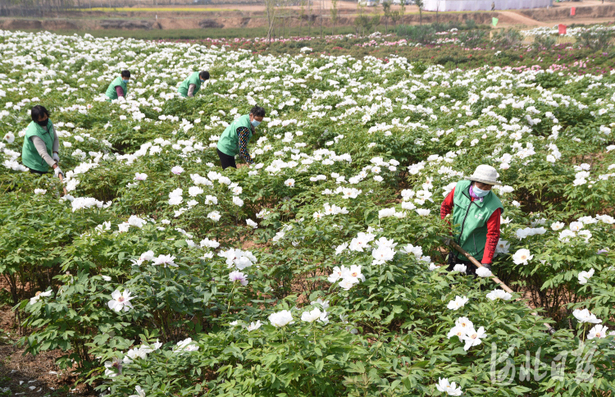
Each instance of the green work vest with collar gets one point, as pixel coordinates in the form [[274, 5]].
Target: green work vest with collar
[[111, 93], [29, 155], [470, 219], [185, 85], [229, 141]]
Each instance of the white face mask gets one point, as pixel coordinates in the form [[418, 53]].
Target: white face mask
[[479, 192], [255, 123]]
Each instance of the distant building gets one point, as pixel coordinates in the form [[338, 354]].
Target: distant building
[[483, 5]]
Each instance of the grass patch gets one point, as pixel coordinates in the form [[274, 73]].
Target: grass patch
[[200, 34], [153, 9]]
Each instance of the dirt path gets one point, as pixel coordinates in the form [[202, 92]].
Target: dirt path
[[512, 18]]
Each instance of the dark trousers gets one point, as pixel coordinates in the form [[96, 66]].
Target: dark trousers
[[453, 260], [226, 160], [36, 172]]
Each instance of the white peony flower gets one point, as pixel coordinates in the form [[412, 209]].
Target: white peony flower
[[281, 318], [584, 276], [457, 303], [499, 294], [39, 295], [214, 216], [195, 191], [522, 256], [184, 346], [140, 392], [348, 283], [584, 316], [473, 338], [382, 254], [165, 260], [483, 272], [120, 301], [9, 137], [423, 212], [254, 326], [312, 315], [461, 268], [238, 276], [597, 332], [449, 388]]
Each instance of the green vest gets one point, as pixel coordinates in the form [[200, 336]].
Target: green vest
[[111, 93], [29, 155], [185, 85], [229, 141], [470, 219]]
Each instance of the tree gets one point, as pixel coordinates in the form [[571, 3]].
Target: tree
[[419, 4], [301, 15], [309, 13], [402, 10], [271, 9], [334, 14], [396, 16], [386, 7], [374, 21], [322, 7], [361, 22]]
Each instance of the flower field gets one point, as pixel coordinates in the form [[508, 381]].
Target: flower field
[[316, 271]]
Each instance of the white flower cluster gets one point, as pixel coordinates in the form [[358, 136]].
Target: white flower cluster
[[464, 330]]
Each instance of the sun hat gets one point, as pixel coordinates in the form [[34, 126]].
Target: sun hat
[[485, 174]]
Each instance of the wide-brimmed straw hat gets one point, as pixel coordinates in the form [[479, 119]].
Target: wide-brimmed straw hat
[[485, 174]]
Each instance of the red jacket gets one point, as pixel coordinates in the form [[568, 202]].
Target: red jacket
[[493, 226]]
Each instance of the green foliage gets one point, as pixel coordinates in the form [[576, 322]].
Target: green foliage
[[507, 38], [543, 42], [423, 34], [596, 39], [400, 129]]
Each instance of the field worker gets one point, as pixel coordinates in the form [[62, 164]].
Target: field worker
[[476, 218], [192, 85], [40, 145], [118, 87], [235, 138]]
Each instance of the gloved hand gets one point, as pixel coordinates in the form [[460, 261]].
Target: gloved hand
[[57, 171], [486, 265], [56, 157]]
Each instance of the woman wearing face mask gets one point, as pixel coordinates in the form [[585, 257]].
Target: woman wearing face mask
[[118, 87], [192, 84], [235, 138], [476, 215], [41, 145]]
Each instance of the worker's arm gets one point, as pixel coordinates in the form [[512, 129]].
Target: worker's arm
[[447, 205], [493, 236], [41, 148], [244, 134], [191, 90], [119, 91], [55, 148]]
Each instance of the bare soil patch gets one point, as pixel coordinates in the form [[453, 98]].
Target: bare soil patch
[[29, 376]]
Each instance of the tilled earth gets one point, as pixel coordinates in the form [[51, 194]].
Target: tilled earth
[[29, 376]]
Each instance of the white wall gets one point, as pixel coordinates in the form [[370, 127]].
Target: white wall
[[482, 5]]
